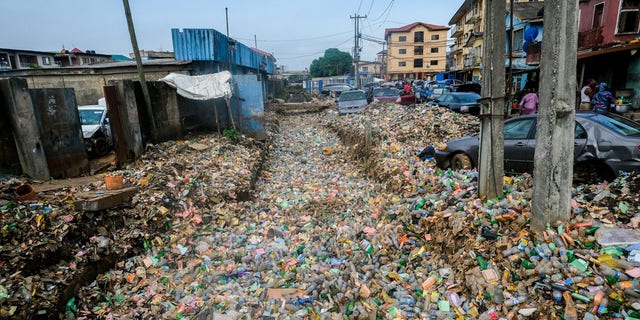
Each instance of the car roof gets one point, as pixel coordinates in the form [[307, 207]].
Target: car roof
[[92, 107]]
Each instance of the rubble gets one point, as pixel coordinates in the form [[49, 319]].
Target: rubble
[[333, 216]]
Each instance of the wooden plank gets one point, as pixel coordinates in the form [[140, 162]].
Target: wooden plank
[[109, 199]]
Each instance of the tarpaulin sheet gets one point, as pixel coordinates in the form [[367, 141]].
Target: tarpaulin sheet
[[204, 87]]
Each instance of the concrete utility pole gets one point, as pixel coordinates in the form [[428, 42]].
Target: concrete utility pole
[[491, 165], [553, 171], [356, 47], [143, 82]]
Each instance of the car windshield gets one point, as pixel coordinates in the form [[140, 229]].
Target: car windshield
[[352, 96], [468, 98], [386, 92], [621, 125], [90, 116]]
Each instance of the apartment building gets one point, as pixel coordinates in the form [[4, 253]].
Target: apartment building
[[416, 51], [467, 32]]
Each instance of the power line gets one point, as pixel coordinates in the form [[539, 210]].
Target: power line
[[313, 54], [304, 39]]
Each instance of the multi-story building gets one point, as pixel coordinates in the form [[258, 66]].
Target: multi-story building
[[77, 57], [467, 33], [16, 59], [416, 51], [370, 69], [608, 33]]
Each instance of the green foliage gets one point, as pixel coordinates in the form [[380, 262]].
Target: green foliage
[[333, 63], [232, 133]]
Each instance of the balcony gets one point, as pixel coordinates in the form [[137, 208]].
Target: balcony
[[471, 61], [456, 31], [590, 39]]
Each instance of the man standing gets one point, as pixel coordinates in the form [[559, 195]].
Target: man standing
[[586, 94]]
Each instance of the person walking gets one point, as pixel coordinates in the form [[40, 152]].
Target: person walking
[[603, 99], [587, 93], [529, 103]]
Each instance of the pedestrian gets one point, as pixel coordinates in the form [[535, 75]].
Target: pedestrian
[[407, 88], [603, 99], [587, 93], [529, 103]]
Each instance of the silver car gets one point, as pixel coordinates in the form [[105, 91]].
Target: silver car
[[605, 145], [352, 101]]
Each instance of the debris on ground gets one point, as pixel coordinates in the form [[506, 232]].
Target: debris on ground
[[332, 216]]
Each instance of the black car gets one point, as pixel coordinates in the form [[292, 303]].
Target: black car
[[463, 102], [604, 146]]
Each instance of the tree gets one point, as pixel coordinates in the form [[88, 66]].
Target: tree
[[333, 63]]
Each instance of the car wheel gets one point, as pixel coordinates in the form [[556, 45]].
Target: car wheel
[[460, 161], [100, 147]]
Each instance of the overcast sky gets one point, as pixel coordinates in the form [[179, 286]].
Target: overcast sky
[[294, 31]]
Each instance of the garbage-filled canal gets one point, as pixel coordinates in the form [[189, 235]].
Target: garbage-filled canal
[[330, 217]]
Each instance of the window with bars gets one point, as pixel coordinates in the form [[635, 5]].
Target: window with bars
[[418, 36], [417, 63], [418, 50]]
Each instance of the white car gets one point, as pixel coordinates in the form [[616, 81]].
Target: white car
[[96, 129]]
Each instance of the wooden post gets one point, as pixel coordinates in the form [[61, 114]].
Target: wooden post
[[22, 116], [553, 172], [143, 82], [491, 166], [228, 102]]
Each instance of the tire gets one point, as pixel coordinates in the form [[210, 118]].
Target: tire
[[100, 147], [461, 161]]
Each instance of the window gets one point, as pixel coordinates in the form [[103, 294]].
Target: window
[[518, 129], [365, 69], [434, 62], [46, 60], [629, 16], [418, 36], [402, 38], [417, 63], [417, 51], [435, 37], [402, 64], [518, 40], [597, 15], [434, 50], [402, 51]]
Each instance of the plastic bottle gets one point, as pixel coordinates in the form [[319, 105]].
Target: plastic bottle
[[570, 312], [633, 284], [557, 295], [514, 301], [613, 273], [489, 314], [511, 251], [597, 300]]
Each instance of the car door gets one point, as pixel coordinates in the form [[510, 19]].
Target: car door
[[445, 101], [519, 144]]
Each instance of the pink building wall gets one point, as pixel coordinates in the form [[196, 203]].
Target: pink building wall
[[609, 23]]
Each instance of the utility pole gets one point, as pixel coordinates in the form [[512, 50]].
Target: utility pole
[[255, 41], [553, 159], [491, 160], [356, 47], [143, 82]]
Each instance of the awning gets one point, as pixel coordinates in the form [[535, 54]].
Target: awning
[[625, 47]]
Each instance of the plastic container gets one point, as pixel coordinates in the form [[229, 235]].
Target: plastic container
[[113, 182], [25, 192]]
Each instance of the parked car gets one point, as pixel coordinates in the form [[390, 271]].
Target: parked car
[[393, 95], [336, 89], [469, 87], [96, 129], [605, 145], [435, 91], [352, 101], [462, 102]]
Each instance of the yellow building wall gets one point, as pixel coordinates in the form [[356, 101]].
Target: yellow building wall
[[396, 48]]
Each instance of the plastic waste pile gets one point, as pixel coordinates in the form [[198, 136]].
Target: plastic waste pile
[[333, 217]]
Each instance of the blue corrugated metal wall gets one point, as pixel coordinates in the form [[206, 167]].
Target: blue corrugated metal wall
[[211, 45]]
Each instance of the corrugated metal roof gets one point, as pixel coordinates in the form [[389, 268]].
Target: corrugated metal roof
[[408, 27], [211, 45]]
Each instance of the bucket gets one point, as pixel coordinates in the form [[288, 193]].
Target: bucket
[[113, 182], [25, 192]]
